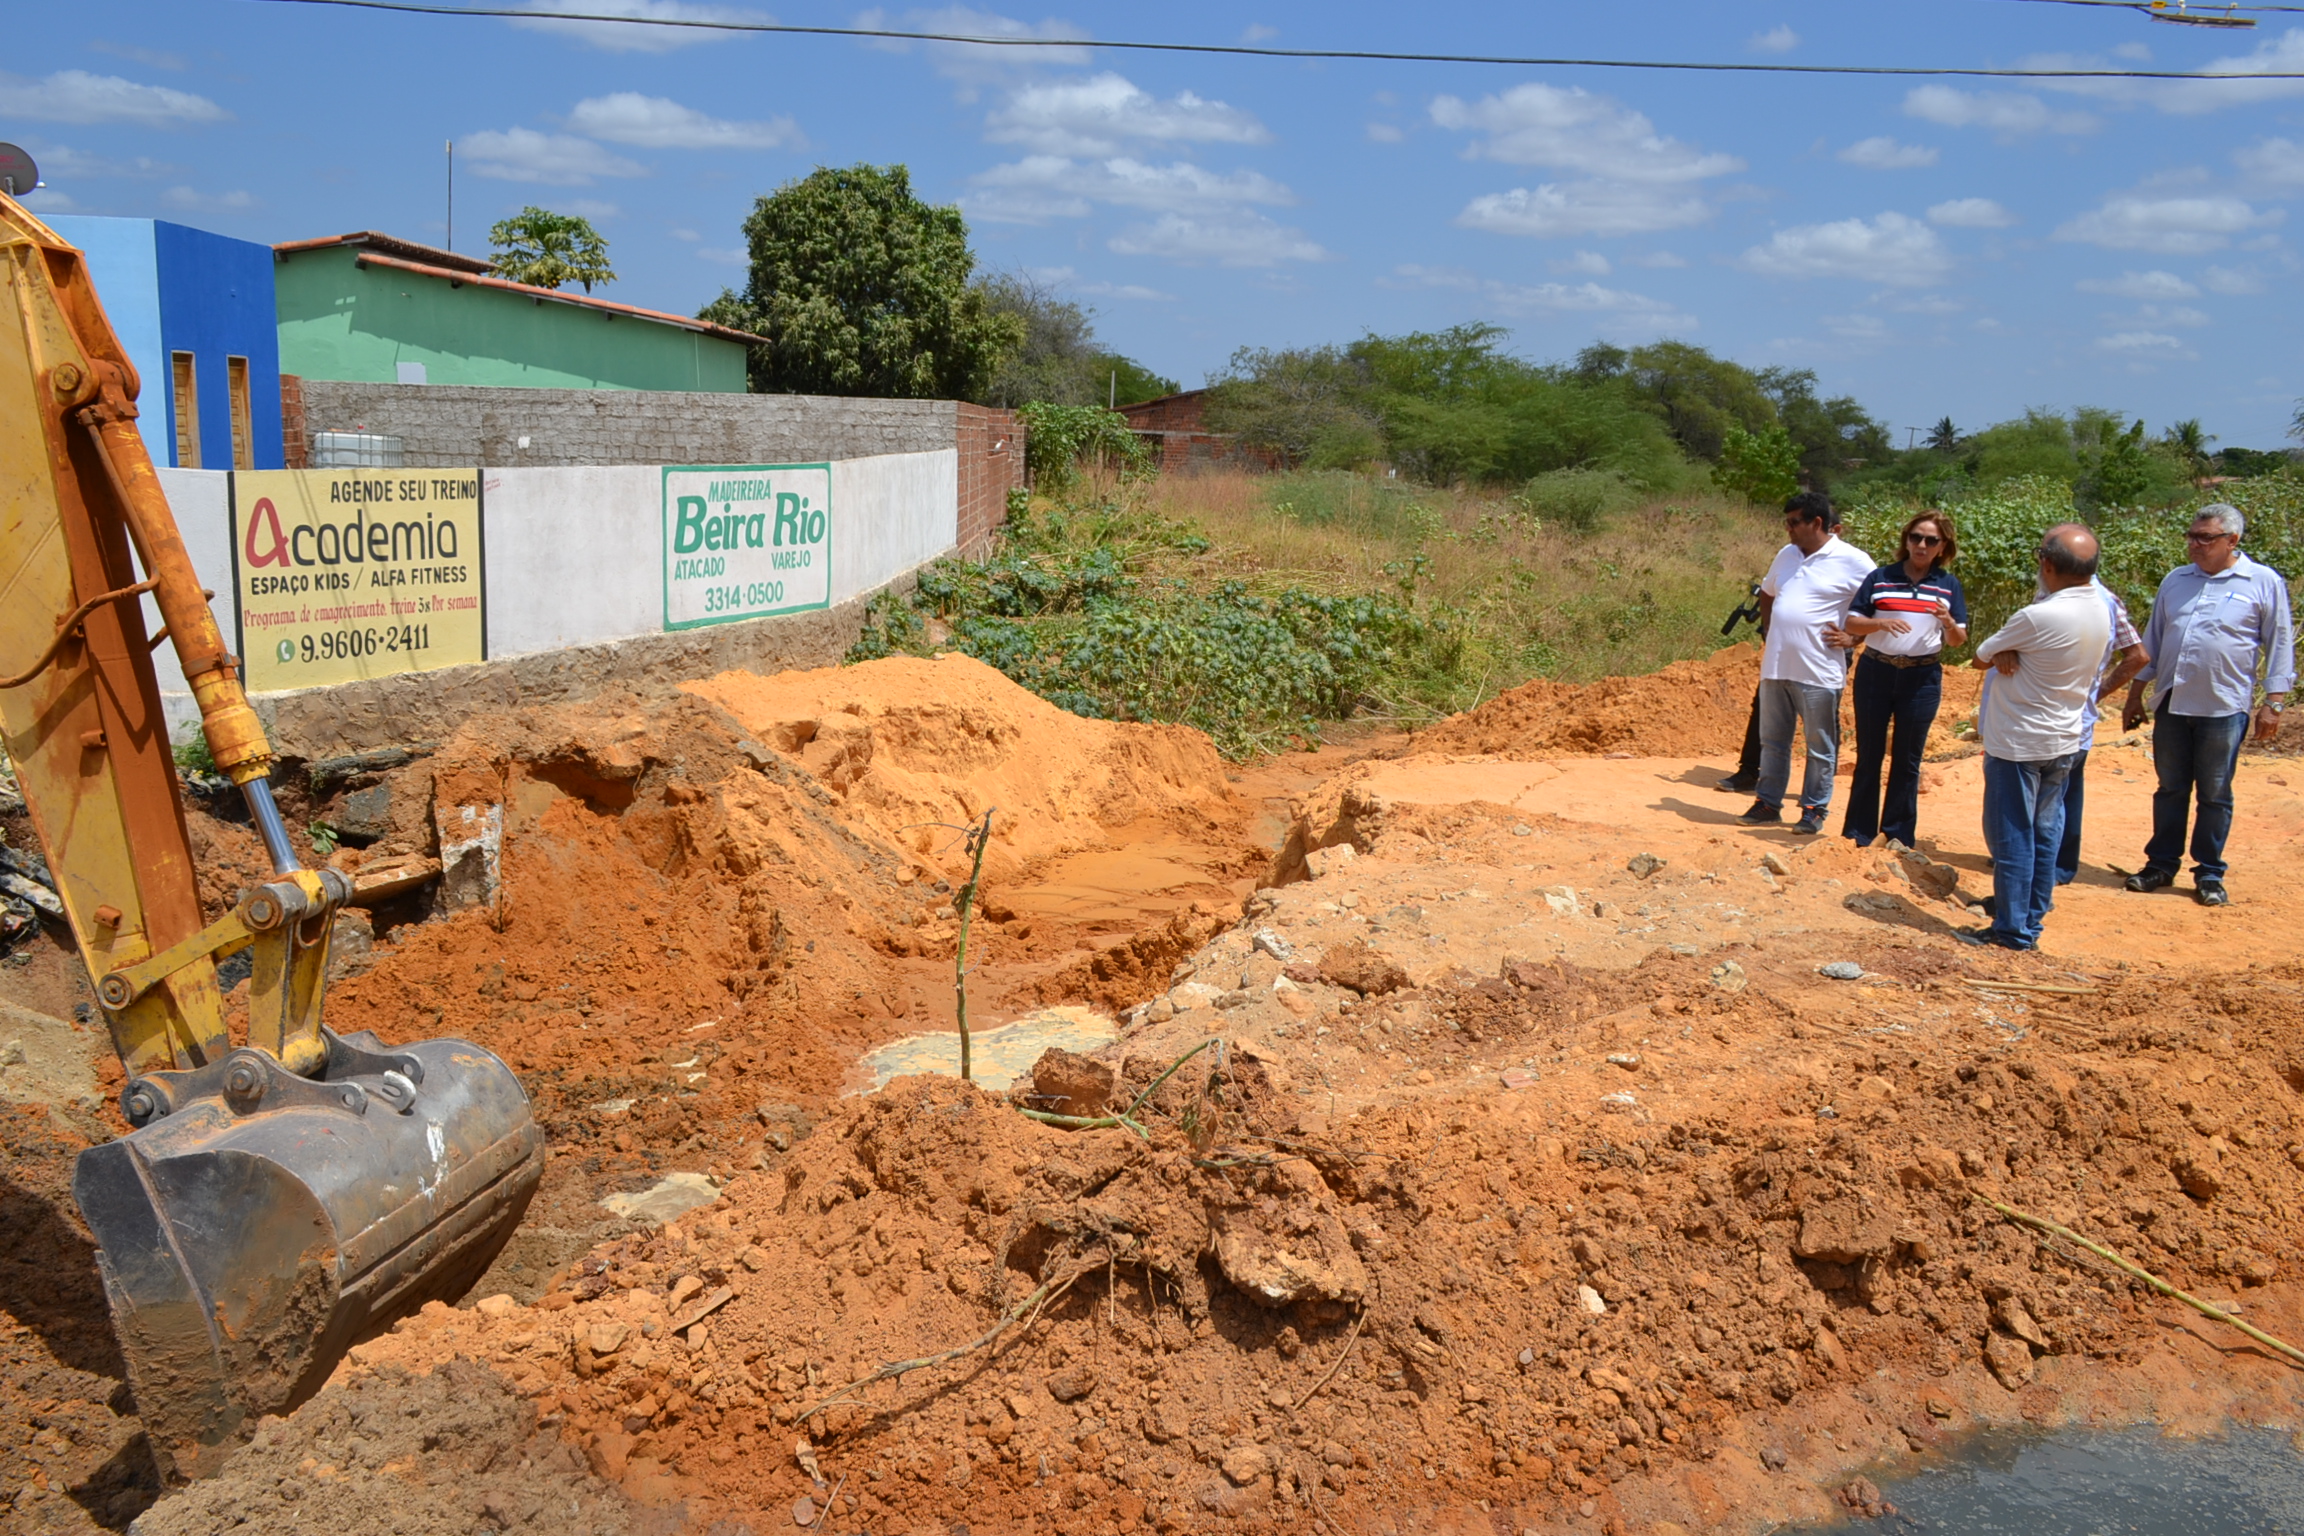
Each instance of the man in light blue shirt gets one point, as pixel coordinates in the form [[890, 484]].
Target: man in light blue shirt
[[2214, 623]]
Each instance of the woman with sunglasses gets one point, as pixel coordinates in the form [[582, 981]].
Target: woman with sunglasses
[[1905, 615]]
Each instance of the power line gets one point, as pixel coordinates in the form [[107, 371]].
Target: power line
[[1245, 50], [2167, 12]]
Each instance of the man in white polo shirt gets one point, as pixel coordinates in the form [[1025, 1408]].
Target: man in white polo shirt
[[2033, 719], [1806, 591]]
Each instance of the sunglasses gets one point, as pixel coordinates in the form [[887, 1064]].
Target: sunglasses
[[2197, 537], [1929, 539]]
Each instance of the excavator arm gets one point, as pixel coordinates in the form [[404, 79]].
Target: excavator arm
[[281, 1196]]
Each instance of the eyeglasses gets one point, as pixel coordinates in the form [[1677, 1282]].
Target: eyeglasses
[[2197, 537], [1929, 539]]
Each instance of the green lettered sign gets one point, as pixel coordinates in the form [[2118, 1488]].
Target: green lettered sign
[[745, 541]]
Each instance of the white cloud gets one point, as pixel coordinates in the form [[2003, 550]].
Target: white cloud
[[549, 159], [1384, 133], [1893, 249], [653, 122], [1584, 208], [2134, 53], [1066, 277], [589, 208], [2230, 280], [1777, 39], [1041, 187], [76, 96], [1857, 327], [724, 258], [2140, 285], [689, 235], [1971, 213], [2143, 344], [1629, 312], [620, 37], [2173, 225], [1638, 180], [1242, 238], [1654, 259], [1097, 115], [1882, 153], [191, 200], [1257, 32], [2154, 314], [61, 160], [1590, 263], [974, 66], [2274, 55], [2278, 161], [1575, 130], [2006, 113], [49, 200], [152, 58]]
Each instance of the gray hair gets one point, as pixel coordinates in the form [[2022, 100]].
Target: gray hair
[[2225, 516]]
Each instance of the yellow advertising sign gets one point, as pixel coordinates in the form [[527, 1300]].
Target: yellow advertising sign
[[343, 574]]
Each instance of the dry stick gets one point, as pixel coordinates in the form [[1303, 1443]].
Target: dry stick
[[826, 1508], [1986, 984], [1047, 1292], [978, 838], [2205, 1309], [1341, 1356], [1126, 1117]]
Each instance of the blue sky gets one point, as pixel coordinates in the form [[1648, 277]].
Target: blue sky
[[1959, 247]]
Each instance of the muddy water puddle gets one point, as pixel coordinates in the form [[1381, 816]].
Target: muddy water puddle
[[2135, 1482]]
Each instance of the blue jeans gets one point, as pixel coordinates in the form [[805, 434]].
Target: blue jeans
[[2075, 801], [1907, 698], [2193, 753], [1817, 712], [2023, 827]]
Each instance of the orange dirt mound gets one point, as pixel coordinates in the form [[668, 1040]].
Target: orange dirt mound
[[904, 742], [1689, 709]]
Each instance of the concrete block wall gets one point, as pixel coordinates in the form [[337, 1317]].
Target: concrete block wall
[[442, 426]]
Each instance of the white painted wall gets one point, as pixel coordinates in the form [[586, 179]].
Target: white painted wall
[[891, 513], [575, 556]]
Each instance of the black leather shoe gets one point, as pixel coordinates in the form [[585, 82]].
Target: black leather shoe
[[1736, 785], [2210, 893], [2151, 880]]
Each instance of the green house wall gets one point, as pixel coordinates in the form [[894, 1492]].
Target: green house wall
[[340, 320]]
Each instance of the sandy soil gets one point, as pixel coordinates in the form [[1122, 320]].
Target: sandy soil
[[1532, 1184]]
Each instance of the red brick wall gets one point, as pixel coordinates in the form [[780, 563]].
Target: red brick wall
[[292, 434], [991, 444], [1169, 413]]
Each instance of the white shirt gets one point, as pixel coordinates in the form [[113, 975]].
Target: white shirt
[[2042, 712], [1810, 592]]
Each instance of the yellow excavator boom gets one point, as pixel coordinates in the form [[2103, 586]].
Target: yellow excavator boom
[[281, 1196]]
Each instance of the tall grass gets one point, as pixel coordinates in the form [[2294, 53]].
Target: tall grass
[[1585, 584]]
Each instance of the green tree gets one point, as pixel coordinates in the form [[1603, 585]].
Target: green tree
[[1944, 437], [2187, 444], [862, 289], [1762, 467], [1833, 437], [1129, 382], [2118, 468], [1301, 403], [546, 249], [1060, 361], [1699, 396]]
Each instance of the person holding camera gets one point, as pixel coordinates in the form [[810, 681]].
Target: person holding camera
[[1905, 615]]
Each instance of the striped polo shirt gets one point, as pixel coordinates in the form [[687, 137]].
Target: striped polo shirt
[[1890, 592]]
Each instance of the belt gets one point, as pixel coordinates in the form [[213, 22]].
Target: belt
[[1932, 659]]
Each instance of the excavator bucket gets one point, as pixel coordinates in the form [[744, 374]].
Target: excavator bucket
[[259, 1223]]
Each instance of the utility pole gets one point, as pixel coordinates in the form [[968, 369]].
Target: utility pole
[[1911, 436], [451, 194], [1112, 396]]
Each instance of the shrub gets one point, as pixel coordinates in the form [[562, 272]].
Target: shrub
[[1058, 437]]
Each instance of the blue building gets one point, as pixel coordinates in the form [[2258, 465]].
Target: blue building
[[196, 315]]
